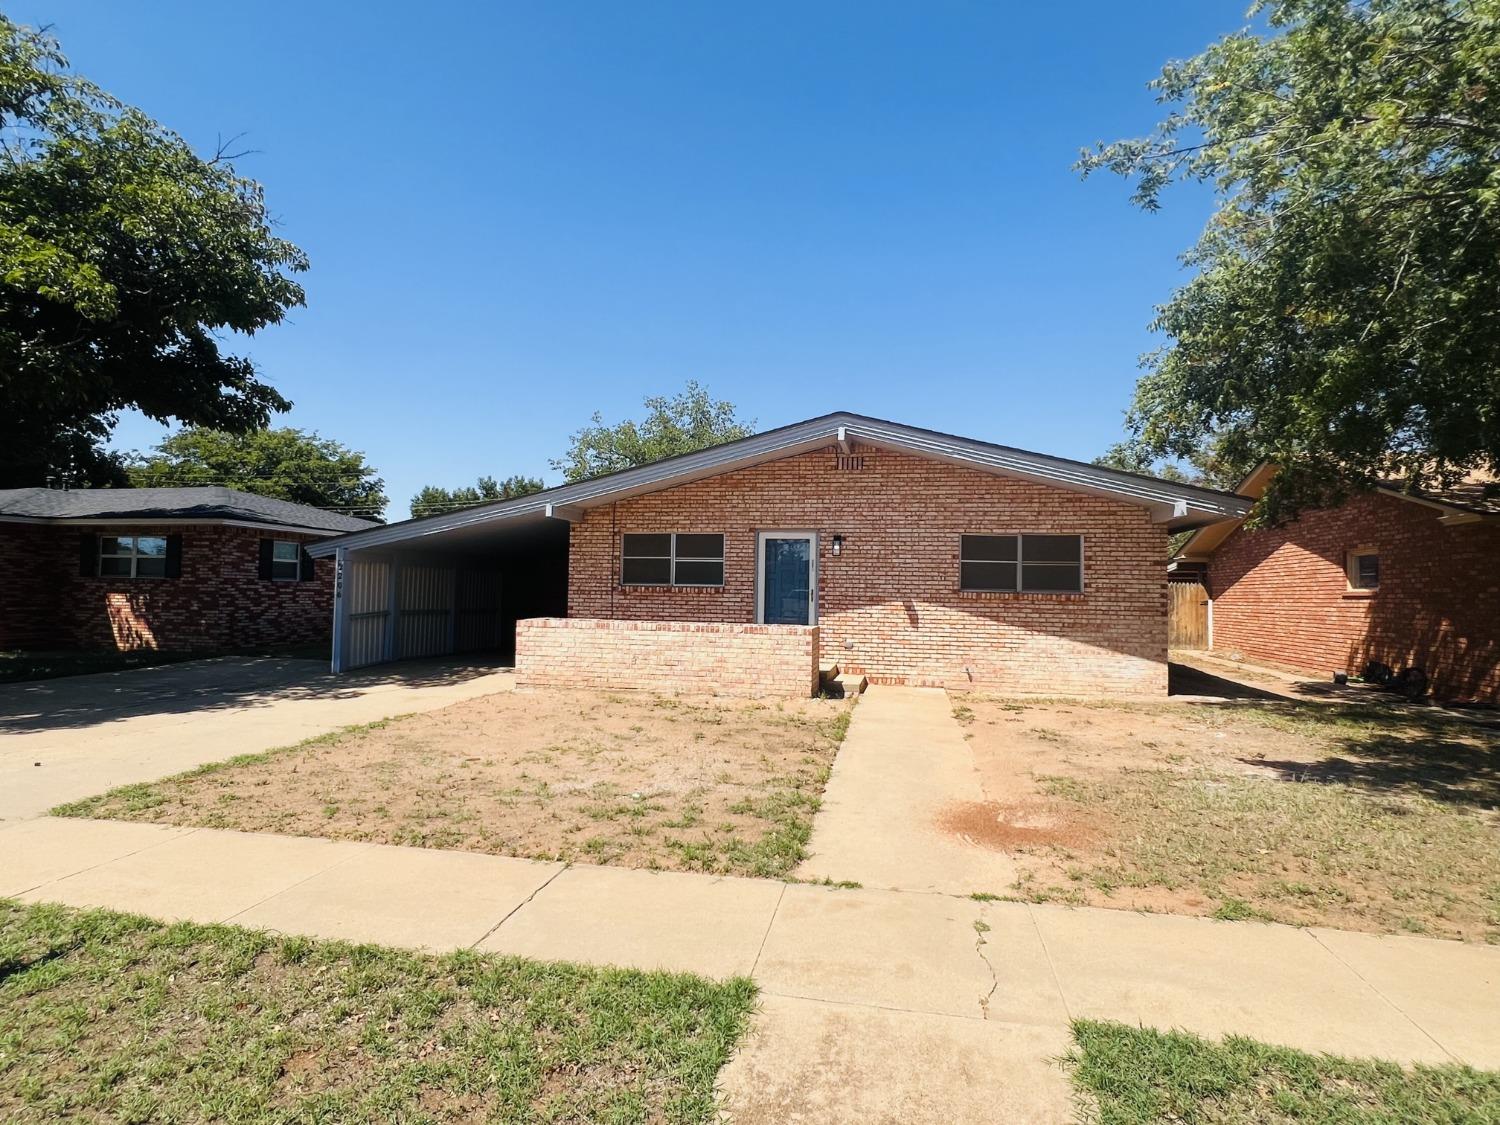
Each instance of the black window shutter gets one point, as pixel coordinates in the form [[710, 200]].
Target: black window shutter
[[88, 554], [174, 556], [266, 547], [305, 571]]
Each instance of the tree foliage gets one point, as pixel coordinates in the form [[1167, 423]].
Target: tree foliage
[[1344, 314], [683, 423], [286, 463], [124, 258], [433, 500]]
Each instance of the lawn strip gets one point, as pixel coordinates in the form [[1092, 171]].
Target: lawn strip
[[1140, 1076], [111, 1016]]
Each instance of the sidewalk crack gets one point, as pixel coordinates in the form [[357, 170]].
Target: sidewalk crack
[[767, 935], [511, 913], [1051, 965], [981, 927]]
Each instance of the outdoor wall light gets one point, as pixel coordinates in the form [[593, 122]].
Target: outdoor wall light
[[838, 545]]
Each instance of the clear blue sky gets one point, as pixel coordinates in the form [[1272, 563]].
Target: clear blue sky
[[520, 213]]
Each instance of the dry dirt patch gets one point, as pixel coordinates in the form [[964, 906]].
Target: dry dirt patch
[[638, 780], [1358, 817]]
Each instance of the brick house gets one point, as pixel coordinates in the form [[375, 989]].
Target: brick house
[[899, 554], [175, 569], [1408, 581]]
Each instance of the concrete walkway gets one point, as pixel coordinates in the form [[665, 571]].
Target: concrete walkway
[[878, 1005], [73, 737], [903, 761]]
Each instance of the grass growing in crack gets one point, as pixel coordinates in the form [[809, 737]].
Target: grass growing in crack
[[1138, 1076], [111, 1017]]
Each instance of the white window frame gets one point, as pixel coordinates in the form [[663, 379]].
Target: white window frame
[[674, 558], [1351, 569], [295, 561], [1021, 563], [760, 572], [134, 555]]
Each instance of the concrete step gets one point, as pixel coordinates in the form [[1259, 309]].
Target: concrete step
[[828, 672], [845, 685]]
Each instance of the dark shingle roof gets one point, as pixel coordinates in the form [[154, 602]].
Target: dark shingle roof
[[208, 503]]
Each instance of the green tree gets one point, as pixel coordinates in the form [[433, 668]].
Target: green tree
[[124, 257], [286, 463], [433, 500], [1343, 317], [685, 422], [1204, 469]]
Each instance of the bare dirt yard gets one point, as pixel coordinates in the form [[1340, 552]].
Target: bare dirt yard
[[1361, 817], [725, 786]]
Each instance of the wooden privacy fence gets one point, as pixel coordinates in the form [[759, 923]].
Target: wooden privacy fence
[[1187, 615]]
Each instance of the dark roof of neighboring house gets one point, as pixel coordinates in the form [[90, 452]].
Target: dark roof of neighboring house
[[205, 503], [1174, 504]]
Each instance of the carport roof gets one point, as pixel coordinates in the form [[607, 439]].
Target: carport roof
[[1177, 506]]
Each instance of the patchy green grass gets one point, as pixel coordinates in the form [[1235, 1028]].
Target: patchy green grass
[[1303, 853], [1137, 1076], [112, 1017]]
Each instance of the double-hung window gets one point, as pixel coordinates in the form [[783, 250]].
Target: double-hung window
[[286, 561], [1363, 568], [133, 556], [1041, 564], [672, 559]]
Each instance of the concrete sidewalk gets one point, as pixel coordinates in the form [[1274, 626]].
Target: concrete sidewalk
[[860, 981], [73, 737], [902, 763]]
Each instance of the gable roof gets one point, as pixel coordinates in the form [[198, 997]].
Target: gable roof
[[202, 503], [1177, 506], [1475, 498]]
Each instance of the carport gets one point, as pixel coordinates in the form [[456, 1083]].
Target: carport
[[446, 585]]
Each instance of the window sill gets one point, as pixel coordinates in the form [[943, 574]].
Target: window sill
[[669, 589], [1360, 595], [1022, 596]]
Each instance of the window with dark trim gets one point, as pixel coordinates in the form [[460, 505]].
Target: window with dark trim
[[286, 560], [672, 559], [133, 556], [1029, 564]]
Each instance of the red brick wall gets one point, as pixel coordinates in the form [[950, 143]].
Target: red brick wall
[[1281, 594], [747, 660], [890, 606], [219, 602]]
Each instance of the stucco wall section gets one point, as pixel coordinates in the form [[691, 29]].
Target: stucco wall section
[[1281, 594], [890, 606]]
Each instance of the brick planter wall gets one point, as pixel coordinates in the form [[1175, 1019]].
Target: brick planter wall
[[890, 605], [667, 656], [219, 602], [1281, 594]]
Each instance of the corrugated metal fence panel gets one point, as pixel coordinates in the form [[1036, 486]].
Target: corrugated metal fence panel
[[368, 589], [425, 625], [478, 611]]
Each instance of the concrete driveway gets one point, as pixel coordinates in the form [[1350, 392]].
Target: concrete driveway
[[73, 737]]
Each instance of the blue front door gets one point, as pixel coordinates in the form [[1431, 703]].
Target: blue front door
[[787, 578]]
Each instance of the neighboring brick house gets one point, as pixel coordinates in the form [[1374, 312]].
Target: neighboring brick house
[[903, 555], [1406, 581], [174, 569]]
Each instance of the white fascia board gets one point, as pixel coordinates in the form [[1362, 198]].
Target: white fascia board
[[1166, 501]]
